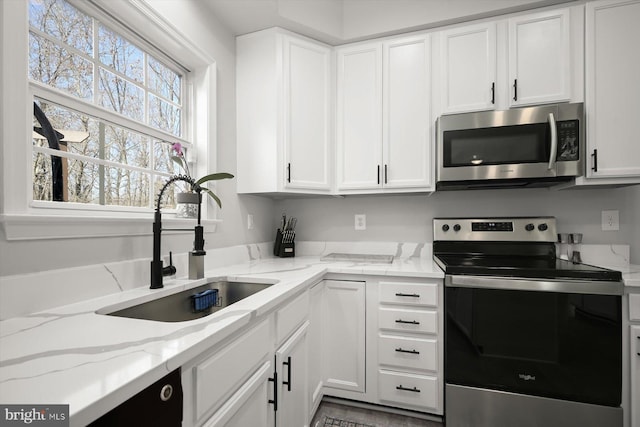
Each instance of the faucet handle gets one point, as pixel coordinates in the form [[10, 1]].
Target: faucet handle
[[169, 270]]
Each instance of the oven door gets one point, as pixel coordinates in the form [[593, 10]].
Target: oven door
[[538, 142], [532, 338]]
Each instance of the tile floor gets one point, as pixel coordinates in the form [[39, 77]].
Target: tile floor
[[333, 414]]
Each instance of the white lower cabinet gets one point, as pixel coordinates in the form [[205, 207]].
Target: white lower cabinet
[[314, 338], [222, 380], [343, 332], [409, 337], [341, 338], [249, 406], [412, 390], [291, 363]]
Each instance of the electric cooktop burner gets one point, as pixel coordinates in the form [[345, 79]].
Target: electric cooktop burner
[[526, 267], [507, 247]]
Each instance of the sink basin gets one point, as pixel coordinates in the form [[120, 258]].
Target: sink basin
[[179, 307]]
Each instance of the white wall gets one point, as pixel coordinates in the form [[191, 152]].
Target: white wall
[[408, 218], [17, 257]]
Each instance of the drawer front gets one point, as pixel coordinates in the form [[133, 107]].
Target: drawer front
[[393, 319], [226, 370], [419, 391], [408, 353], [406, 293], [289, 317]]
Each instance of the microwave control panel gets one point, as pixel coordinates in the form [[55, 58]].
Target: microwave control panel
[[568, 140]]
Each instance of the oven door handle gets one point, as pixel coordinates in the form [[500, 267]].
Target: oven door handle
[[554, 142], [564, 286]]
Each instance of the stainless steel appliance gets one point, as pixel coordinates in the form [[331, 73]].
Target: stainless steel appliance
[[530, 339], [524, 147]]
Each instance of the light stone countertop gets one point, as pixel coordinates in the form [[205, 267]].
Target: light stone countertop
[[72, 355]]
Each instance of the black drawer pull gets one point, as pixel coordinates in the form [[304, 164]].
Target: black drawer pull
[[414, 390], [402, 350], [408, 322], [400, 294]]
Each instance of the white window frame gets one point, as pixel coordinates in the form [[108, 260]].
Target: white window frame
[[25, 219]]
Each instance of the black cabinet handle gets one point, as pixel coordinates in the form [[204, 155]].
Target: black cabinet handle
[[493, 92], [402, 350], [515, 89], [288, 365], [594, 155], [378, 174], [410, 322], [274, 380], [386, 175], [400, 294], [288, 172], [414, 390]]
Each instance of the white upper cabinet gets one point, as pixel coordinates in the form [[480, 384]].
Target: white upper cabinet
[[359, 116], [406, 120], [539, 57], [383, 116], [307, 99], [468, 67], [613, 90], [283, 91], [528, 59]]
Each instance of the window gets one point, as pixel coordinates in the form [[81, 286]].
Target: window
[[116, 109]]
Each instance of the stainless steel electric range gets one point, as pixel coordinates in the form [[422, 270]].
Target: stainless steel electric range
[[530, 339]]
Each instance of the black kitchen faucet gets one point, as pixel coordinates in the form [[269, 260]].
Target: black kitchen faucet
[[195, 256]]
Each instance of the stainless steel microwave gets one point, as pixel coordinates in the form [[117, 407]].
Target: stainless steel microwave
[[524, 147]]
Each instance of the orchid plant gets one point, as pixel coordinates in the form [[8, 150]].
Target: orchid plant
[[179, 154]]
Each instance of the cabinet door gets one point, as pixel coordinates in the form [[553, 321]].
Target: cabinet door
[[468, 68], [249, 406], [359, 116], [307, 85], [293, 393], [406, 109], [613, 88], [316, 304], [539, 58], [343, 350], [635, 376]]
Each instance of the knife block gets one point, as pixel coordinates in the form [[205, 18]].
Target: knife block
[[283, 249]]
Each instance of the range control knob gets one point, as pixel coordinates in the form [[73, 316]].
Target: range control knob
[[529, 227], [456, 227], [445, 227], [543, 227]]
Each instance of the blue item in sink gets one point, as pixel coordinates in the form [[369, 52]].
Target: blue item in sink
[[205, 299]]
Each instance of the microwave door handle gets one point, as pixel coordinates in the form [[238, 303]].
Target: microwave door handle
[[554, 141]]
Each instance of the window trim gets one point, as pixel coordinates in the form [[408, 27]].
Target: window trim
[[24, 219]]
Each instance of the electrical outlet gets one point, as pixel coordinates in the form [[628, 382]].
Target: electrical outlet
[[250, 222], [610, 220], [360, 222]]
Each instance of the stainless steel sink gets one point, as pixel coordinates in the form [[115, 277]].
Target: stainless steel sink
[[179, 307]]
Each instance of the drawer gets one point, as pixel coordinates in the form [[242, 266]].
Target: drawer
[[395, 319], [408, 353], [634, 307], [221, 374], [289, 317], [407, 389], [407, 293]]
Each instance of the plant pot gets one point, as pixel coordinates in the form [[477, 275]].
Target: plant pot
[[187, 205]]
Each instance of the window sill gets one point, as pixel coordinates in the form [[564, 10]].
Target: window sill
[[40, 227]]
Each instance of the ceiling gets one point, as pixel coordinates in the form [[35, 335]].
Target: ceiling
[[341, 21]]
